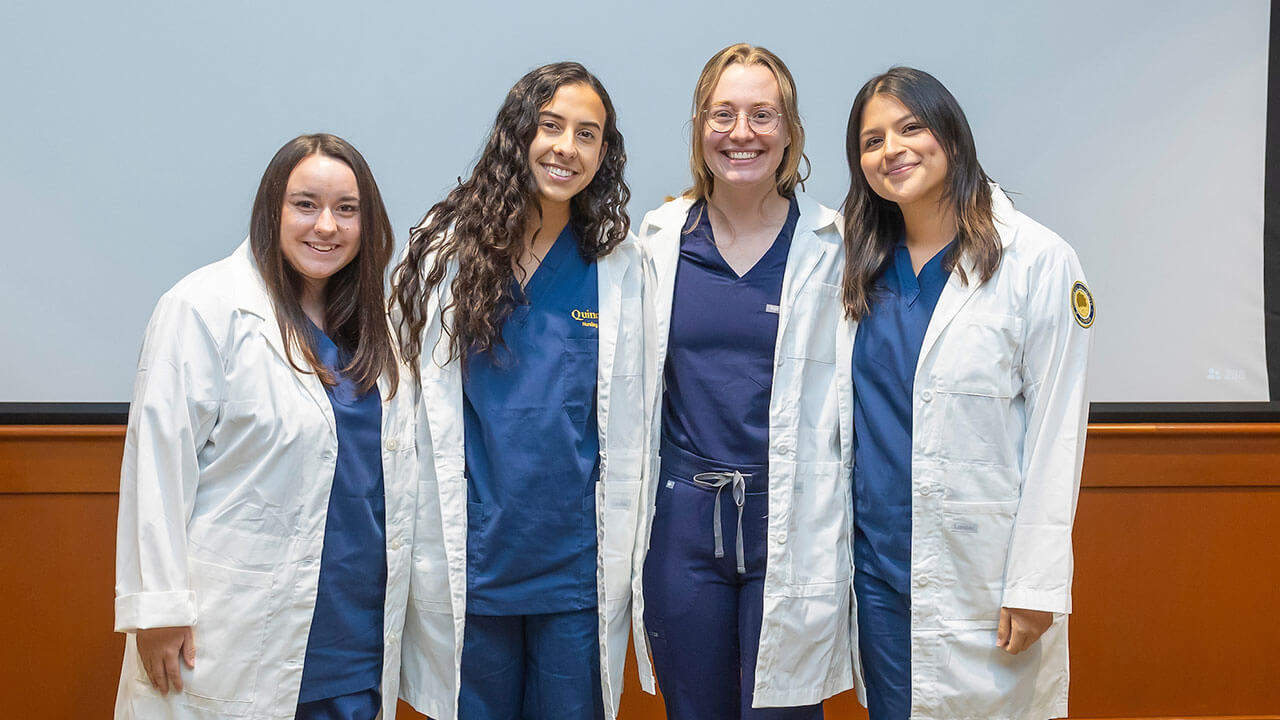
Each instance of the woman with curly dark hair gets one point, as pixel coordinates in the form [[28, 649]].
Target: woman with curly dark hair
[[519, 310]]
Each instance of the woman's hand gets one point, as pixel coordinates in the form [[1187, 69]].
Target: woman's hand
[[159, 649], [1020, 628]]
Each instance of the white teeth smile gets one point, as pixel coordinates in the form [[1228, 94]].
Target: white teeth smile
[[558, 172], [321, 248], [742, 155]]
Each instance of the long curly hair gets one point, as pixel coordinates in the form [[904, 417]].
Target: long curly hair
[[482, 222], [354, 296]]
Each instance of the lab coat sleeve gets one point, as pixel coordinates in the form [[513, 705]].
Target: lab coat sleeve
[[176, 397], [1055, 360]]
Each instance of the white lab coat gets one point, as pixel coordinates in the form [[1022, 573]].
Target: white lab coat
[[432, 663], [998, 431], [229, 459], [805, 633]]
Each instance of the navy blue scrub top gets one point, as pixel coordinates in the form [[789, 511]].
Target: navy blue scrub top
[[885, 353], [532, 449], [720, 348], [344, 649]]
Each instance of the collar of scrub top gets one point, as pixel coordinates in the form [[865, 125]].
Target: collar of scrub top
[[544, 275], [909, 283], [813, 217]]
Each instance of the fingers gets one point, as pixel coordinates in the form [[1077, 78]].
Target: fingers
[[1018, 640], [159, 680], [171, 669], [1002, 630], [159, 650], [1019, 629], [189, 648]]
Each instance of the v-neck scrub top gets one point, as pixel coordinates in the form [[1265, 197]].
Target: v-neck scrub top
[[532, 447], [885, 352], [719, 369], [344, 647]]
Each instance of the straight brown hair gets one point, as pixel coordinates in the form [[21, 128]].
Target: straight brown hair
[[873, 225], [355, 297]]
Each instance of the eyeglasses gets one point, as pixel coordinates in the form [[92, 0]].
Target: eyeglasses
[[762, 119]]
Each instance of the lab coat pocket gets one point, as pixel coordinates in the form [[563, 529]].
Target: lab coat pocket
[[229, 635], [978, 353], [619, 503], [429, 584], [819, 515], [811, 325], [987, 682], [975, 539]]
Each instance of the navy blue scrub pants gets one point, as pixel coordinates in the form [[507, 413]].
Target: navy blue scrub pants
[[884, 639], [531, 667], [356, 706], [703, 616]]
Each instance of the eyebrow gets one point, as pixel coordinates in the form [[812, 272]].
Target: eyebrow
[[907, 116], [753, 105], [558, 116], [316, 196]]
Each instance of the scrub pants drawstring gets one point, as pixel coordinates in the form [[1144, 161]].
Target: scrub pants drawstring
[[738, 486]]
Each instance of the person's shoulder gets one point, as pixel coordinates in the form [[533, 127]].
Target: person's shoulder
[[216, 291], [1032, 242], [670, 215], [823, 221]]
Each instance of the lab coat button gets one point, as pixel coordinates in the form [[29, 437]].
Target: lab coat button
[[926, 395], [920, 581], [391, 443], [396, 544]]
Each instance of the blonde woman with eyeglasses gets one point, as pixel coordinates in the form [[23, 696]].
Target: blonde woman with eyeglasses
[[744, 596]]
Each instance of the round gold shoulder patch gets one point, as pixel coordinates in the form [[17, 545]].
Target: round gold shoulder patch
[[1082, 304]]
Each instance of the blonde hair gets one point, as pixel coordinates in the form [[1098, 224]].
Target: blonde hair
[[788, 174]]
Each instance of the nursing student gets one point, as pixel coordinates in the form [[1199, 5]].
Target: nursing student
[[267, 494], [745, 584], [968, 410], [519, 304]]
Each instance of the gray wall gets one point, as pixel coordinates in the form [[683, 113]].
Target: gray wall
[[134, 134]]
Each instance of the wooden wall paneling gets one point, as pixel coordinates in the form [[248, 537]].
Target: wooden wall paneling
[[1177, 571], [57, 560]]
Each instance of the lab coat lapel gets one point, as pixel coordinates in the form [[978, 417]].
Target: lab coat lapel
[[806, 253], [609, 271], [252, 297], [957, 292], [664, 258], [441, 379]]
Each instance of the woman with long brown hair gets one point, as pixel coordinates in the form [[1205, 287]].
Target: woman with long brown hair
[[519, 311], [967, 376], [266, 498], [745, 585]]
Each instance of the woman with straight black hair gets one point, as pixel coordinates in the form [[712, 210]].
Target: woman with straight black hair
[[964, 360], [519, 311], [267, 493]]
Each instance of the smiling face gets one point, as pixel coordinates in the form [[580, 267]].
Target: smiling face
[[569, 145], [742, 157], [901, 159], [320, 220]]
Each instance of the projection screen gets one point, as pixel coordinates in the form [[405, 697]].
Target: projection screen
[[134, 136]]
